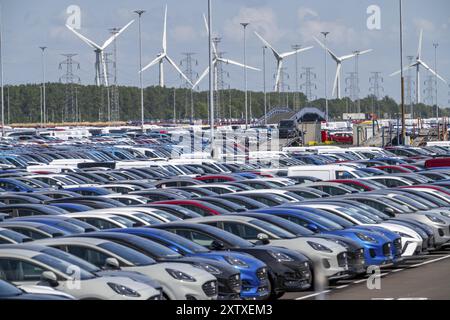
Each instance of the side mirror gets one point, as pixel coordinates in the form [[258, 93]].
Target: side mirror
[[389, 212], [263, 238], [112, 264], [50, 278], [313, 228], [217, 245], [138, 224]]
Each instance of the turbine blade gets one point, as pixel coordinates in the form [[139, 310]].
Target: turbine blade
[[267, 44], [228, 61], [155, 61], [164, 43], [404, 69], [207, 31], [365, 51], [336, 78], [203, 75], [419, 50], [277, 79], [178, 69], [335, 57], [111, 39], [90, 43], [287, 54], [423, 64]]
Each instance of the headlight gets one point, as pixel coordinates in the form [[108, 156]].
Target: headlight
[[208, 268], [319, 247], [403, 235], [179, 275], [123, 291], [236, 262], [279, 256], [445, 214], [364, 237], [435, 219]]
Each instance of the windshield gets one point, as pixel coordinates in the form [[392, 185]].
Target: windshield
[[290, 227], [360, 173], [353, 213], [328, 223], [15, 236], [8, 290], [126, 222], [271, 228], [131, 255], [62, 266], [156, 250], [148, 219], [186, 245], [166, 215]]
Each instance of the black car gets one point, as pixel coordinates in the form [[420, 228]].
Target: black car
[[289, 271]]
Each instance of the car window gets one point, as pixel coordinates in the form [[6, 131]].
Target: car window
[[99, 223], [241, 230], [29, 233], [197, 237], [95, 257], [16, 270]]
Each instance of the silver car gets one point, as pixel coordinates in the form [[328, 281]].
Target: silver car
[[25, 267], [179, 281]]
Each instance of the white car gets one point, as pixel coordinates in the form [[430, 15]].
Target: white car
[[179, 281], [26, 267]]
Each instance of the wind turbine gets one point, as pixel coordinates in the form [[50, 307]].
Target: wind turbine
[[339, 61], [164, 56], [99, 52], [217, 59], [280, 57], [417, 64]]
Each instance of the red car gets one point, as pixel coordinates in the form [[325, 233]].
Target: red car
[[214, 178], [342, 137], [438, 162], [393, 169], [200, 207]]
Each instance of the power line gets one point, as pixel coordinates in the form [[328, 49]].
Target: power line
[[70, 111], [114, 91], [376, 88], [188, 62], [308, 85], [352, 88]]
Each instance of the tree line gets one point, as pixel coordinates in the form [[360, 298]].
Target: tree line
[[23, 104]]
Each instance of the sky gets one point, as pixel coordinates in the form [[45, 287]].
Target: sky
[[29, 24]]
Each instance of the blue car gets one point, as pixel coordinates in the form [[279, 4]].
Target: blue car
[[13, 185], [252, 286], [71, 207], [372, 242]]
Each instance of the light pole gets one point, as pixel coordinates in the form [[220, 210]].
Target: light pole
[[436, 45], [296, 47], [211, 80], [264, 84], [325, 34], [401, 77], [244, 25], [44, 108], [139, 13]]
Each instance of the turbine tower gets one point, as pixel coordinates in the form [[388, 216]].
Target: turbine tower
[[280, 57], [417, 64], [339, 61], [218, 59], [164, 56], [99, 52]]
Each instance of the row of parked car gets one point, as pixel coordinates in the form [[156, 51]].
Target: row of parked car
[[115, 222]]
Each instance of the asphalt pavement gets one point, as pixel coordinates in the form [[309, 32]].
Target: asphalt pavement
[[421, 278]]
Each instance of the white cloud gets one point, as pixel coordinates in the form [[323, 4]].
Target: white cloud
[[304, 12], [424, 24], [312, 25], [184, 33], [262, 19]]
